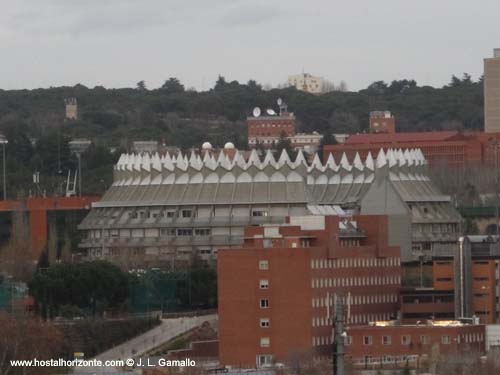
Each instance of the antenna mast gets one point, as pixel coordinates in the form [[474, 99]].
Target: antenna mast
[[338, 348]]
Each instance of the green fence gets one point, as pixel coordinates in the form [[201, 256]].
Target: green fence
[[473, 212], [10, 293], [157, 290]]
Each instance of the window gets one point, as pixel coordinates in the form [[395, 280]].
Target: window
[[264, 322], [264, 303], [445, 340], [263, 265], [386, 340], [405, 340], [367, 340], [170, 214], [264, 284], [265, 342], [481, 279], [186, 213], [348, 340], [259, 213], [184, 232], [264, 360], [204, 251], [202, 232], [167, 231]]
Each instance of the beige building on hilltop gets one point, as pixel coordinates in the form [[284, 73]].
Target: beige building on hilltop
[[307, 82], [492, 93], [71, 109]]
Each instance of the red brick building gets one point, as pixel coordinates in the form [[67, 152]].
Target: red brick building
[[267, 130], [382, 122], [275, 293], [483, 286], [421, 304], [450, 147], [386, 346]]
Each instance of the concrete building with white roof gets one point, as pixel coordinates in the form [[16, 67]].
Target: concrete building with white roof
[[164, 209]]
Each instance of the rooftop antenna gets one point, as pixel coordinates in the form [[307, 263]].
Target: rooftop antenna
[[339, 334], [256, 112], [71, 185], [36, 181], [282, 105]]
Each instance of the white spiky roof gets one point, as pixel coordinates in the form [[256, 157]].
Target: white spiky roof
[[410, 160]]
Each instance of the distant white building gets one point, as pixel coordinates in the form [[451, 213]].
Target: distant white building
[[308, 142], [307, 82], [341, 137], [145, 146], [71, 109]]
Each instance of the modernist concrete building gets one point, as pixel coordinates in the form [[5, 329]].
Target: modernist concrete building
[[492, 93], [162, 208]]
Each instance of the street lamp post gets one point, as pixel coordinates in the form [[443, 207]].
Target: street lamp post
[[4, 142], [78, 147]]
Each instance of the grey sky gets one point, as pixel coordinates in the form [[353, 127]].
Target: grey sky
[[117, 43]]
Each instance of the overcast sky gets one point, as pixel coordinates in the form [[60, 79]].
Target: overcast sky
[[116, 43]]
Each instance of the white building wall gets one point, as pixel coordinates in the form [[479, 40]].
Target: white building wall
[[492, 336]]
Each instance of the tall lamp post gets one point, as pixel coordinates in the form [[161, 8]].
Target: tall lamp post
[[78, 146], [3, 142]]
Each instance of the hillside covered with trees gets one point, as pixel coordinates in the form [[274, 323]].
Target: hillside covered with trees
[[38, 134]]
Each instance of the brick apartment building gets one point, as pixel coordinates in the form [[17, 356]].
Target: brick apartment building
[[465, 284], [471, 272], [267, 130], [492, 92], [390, 346], [276, 291], [451, 148]]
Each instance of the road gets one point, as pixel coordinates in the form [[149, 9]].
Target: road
[[139, 345]]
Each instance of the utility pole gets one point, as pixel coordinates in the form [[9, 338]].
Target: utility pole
[[339, 335], [4, 141]]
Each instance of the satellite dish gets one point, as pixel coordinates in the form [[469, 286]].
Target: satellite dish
[[280, 101], [271, 112], [256, 112]]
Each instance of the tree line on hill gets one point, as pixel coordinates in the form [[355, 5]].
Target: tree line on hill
[[34, 120]]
